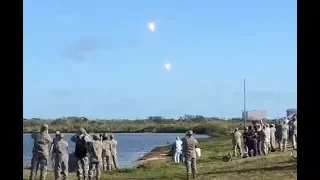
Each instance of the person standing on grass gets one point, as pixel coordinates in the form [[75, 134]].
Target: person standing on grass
[[278, 132], [236, 142], [261, 137], [113, 150], [245, 138], [40, 152], [284, 135], [177, 150], [293, 124], [95, 157], [189, 149], [82, 140], [106, 153], [265, 142], [53, 153], [252, 141], [61, 149], [272, 137]]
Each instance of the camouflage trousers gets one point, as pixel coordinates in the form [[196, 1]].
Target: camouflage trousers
[[237, 147], [94, 170], [114, 162], [272, 143], [83, 167], [61, 163], [191, 165], [106, 162], [294, 141], [39, 161], [283, 144], [259, 147], [265, 146]]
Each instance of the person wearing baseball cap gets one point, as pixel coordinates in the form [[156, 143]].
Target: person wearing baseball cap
[[40, 152], [189, 150]]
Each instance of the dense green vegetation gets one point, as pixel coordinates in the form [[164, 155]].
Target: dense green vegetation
[[199, 124], [276, 165]]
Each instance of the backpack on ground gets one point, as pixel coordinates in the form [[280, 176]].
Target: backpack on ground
[[81, 149]]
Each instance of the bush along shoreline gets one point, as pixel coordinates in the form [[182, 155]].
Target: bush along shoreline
[[210, 126]]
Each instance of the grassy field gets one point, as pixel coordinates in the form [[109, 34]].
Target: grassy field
[[276, 165]]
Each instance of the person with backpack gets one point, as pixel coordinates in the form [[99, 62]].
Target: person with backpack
[[82, 140], [95, 157]]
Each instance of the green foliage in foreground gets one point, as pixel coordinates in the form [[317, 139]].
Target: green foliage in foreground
[[210, 166], [211, 127]]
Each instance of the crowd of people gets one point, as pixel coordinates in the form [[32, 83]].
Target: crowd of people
[[98, 152], [262, 138], [93, 154]]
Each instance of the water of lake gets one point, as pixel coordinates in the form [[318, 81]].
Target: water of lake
[[131, 146]]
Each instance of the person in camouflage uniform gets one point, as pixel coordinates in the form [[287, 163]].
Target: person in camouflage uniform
[[95, 157], [261, 137], [40, 152], [278, 131], [61, 149], [252, 141], [106, 153], [53, 154], [113, 149], [293, 124], [236, 142], [83, 161], [272, 137], [245, 137], [284, 135], [189, 148]]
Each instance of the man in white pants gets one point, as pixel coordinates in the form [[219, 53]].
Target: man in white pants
[[178, 150]]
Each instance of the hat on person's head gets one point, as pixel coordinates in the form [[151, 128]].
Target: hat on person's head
[[105, 135], [82, 130], [190, 132], [44, 127], [57, 133], [96, 137], [61, 135]]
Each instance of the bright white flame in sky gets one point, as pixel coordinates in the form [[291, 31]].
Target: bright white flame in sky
[[152, 26], [167, 66]]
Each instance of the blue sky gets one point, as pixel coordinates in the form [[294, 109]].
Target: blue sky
[[98, 59]]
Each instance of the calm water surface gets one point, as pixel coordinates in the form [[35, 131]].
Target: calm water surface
[[131, 146]]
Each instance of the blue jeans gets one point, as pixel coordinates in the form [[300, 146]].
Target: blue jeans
[[177, 155]]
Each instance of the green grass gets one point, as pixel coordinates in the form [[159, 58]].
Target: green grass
[[276, 165]]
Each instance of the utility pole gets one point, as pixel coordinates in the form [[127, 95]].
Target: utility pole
[[244, 103]]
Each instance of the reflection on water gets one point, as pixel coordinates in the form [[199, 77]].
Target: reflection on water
[[131, 146]]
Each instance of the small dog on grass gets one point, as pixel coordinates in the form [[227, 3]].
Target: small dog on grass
[[227, 158]]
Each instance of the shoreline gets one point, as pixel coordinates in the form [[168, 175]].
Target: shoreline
[[160, 153]]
